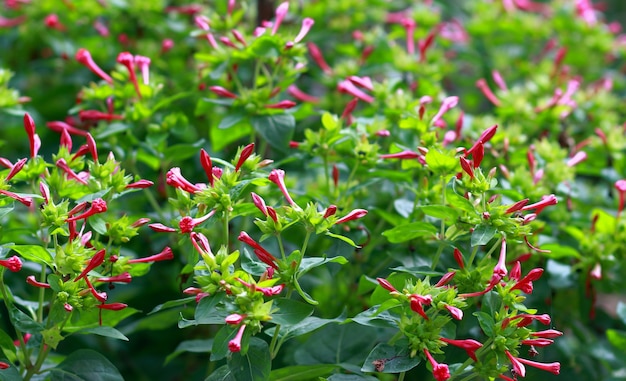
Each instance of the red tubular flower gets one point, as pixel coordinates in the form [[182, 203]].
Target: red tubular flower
[[234, 319], [222, 92], [277, 176], [127, 59], [456, 313], [272, 213], [281, 12], [33, 138], [235, 344], [95, 115], [417, 303], [112, 306], [34, 282], [207, 165], [84, 57], [620, 186], [409, 26], [4, 365], [470, 346], [353, 215], [484, 88], [577, 158], [270, 291], [100, 296], [347, 111], [330, 211], [45, 192], [160, 228], [545, 201], [458, 257], [553, 367], [59, 127], [166, 45], [282, 105], [201, 243], [95, 261], [518, 367], [300, 95], [13, 263], [140, 184], [124, 277], [347, 87], [426, 43], [27, 201], [526, 319], [445, 279], [245, 154], [165, 255], [406, 154], [467, 167], [548, 334], [175, 178], [537, 342], [446, 105], [187, 224], [500, 271], [307, 23], [259, 203], [143, 63], [97, 206], [517, 206], [526, 283], [317, 56], [384, 283], [441, 372], [263, 255], [15, 169]]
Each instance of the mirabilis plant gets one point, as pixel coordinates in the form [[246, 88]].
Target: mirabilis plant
[[341, 190]]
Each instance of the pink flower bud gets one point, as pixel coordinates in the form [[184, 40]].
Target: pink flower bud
[[235, 344], [84, 57], [165, 255], [348, 87], [317, 56], [13, 263], [441, 372], [281, 12], [282, 105], [353, 215], [484, 88], [277, 176], [222, 92], [307, 23]]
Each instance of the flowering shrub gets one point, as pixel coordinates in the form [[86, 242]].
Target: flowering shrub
[[337, 190]]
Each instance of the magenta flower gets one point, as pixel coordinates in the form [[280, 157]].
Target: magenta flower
[[500, 271], [112, 306], [95, 116], [281, 12], [441, 372], [553, 367], [406, 154], [447, 104], [143, 63], [263, 255], [127, 59], [34, 282], [497, 78], [307, 23], [165, 255], [277, 176], [353, 215], [300, 95], [538, 206], [577, 158], [409, 26], [235, 344], [259, 203], [456, 313], [484, 88], [234, 319], [84, 57], [526, 283], [15, 169], [330, 211], [175, 178], [222, 92], [95, 261], [97, 206], [347, 87], [620, 186], [13, 263], [549, 333], [282, 105], [317, 56], [187, 224], [124, 277], [384, 283], [518, 367], [33, 138], [470, 346], [140, 184], [60, 127], [418, 301], [467, 166]]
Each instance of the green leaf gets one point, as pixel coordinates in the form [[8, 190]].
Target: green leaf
[[222, 373], [87, 365], [22, 321], [440, 211], [92, 317], [621, 311], [410, 231], [180, 152], [456, 200], [194, 346], [482, 234], [386, 358], [230, 120], [397, 280], [173, 303], [373, 318], [307, 325], [276, 129], [255, 365], [290, 312], [11, 374], [207, 311], [343, 238], [336, 344], [301, 372], [219, 349], [221, 138], [442, 163], [617, 339], [559, 251], [264, 46], [6, 344], [34, 253], [105, 331], [310, 263], [351, 377], [486, 323], [421, 270], [6, 210]]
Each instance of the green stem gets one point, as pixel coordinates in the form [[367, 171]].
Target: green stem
[[225, 222], [437, 255], [326, 175], [42, 294], [401, 376], [281, 246], [153, 203], [471, 259], [273, 348]]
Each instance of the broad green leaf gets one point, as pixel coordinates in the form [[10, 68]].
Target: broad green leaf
[[34, 253], [456, 200], [180, 152], [92, 318], [222, 373], [219, 349], [251, 264], [442, 163], [386, 358], [486, 323], [482, 234], [264, 46], [173, 303], [230, 120], [194, 346], [421, 270], [559, 251], [404, 207], [290, 312], [410, 231], [5, 210], [11, 374], [373, 318], [105, 331], [301, 372], [87, 365], [6, 344], [336, 344], [397, 280], [440, 211], [22, 321], [207, 311], [221, 138], [310, 263], [307, 325], [255, 365], [276, 129]]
